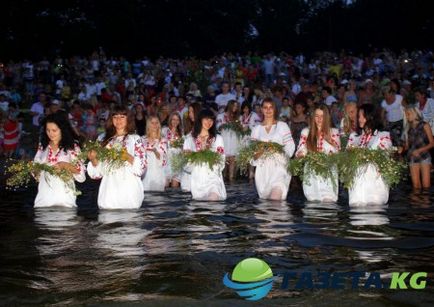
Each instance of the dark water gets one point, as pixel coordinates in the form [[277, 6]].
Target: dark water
[[175, 252]]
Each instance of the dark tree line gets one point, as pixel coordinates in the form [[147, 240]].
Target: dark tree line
[[36, 28]]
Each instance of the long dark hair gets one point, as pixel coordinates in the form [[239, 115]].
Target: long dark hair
[[67, 140], [373, 118], [188, 124], [245, 104], [206, 113], [110, 129]]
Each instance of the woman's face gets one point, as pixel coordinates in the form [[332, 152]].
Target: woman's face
[[164, 110], [362, 119], [258, 109], [139, 108], [351, 111], [191, 113], [319, 118], [246, 110], [207, 123], [54, 133], [411, 116], [310, 102], [120, 122], [175, 121], [268, 110], [299, 109], [154, 125], [235, 107], [419, 97]]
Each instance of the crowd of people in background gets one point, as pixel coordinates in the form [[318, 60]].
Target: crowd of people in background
[[166, 95]]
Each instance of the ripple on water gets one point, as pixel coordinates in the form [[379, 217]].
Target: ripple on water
[[177, 250]]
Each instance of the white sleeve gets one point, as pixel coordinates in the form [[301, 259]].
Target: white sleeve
[[94, 172], [302, 147], [254, 135], [162, 150], [219, 120], [385, 141], [138, 152], [188, 145], [38, 156], [352, 140], [219, 147], [252, 121], [80, 177], [288, 141]]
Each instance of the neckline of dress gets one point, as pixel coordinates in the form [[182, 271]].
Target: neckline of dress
[[271, 127]]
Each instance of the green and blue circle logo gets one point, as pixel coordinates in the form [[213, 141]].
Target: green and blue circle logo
[[251, 278]]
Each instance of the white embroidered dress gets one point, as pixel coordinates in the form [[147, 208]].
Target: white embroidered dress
[[204, 180], [52, 191], [230, 138], [155, 177], [245, 123], [271, 171], [186, 175], [121, 188], [170, 136], [316, 188], [369, 187]]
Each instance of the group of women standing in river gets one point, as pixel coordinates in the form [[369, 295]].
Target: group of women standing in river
[[147, 166]]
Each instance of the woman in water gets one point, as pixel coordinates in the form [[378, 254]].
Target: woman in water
[[206, 184], [319, 137], [120, 188], [271, 177], [58, 149], [369, 186]]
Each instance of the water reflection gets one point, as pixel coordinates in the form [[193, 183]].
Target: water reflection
[[55, 218], [173, 246], [274, 222], [120, 232], [320, 212], [58, 243], [369, 225], [368, 215]]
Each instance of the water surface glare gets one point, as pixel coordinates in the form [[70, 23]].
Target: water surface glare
[[174, 251]]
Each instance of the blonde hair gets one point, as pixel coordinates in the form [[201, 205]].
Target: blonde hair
[[407, 124], [347, 127], [148, 126]]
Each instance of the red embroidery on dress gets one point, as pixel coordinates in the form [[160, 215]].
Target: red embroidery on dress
[[245, 119], [364, 141], [220, 150], [52, 159], [199, 146], [171, 136], [320, 143], [138, 152]]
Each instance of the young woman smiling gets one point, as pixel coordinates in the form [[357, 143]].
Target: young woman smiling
[[57, 148], [120, 188]]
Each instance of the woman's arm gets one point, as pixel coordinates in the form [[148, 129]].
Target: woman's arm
[[427, 129], [302, 148]]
